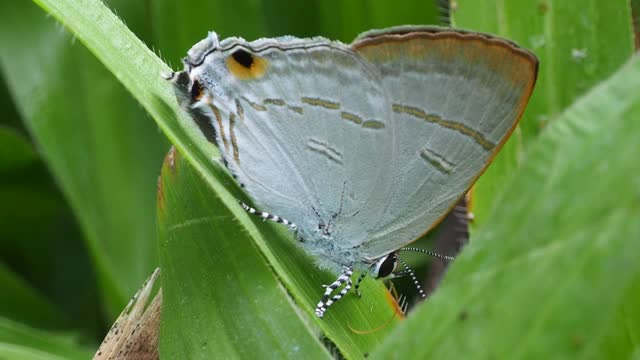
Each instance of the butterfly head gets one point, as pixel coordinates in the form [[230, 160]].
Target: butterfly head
[[385, 266], [215, 69]]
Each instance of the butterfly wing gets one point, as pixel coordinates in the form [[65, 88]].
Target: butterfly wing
[[299, 122], [455, 99]]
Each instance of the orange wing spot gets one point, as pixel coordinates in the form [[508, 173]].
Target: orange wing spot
[[246, 71]]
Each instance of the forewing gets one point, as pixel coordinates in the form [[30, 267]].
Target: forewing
[[455, 99], [304, 125]]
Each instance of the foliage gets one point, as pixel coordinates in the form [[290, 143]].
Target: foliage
[[551, 270]]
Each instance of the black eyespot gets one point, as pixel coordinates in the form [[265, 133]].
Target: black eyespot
[[243, 58], [196, 90], [387, 266]]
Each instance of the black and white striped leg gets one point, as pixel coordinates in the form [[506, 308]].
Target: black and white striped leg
[[356, 288], [266, 216], [327, 300], [409, 271]]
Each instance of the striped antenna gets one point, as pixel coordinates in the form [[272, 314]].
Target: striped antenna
[[424, 251], [412, 274]]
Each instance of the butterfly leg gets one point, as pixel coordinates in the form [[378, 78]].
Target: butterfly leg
[[357, 287], [268, 216], [326, 301]]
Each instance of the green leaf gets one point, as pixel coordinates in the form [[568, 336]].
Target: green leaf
[[554, 272], [15, 150], [26, 304], [579, 43], [43, 260], [343, 20], [217, 285], [101, 148], [18, 342], [180, 25]]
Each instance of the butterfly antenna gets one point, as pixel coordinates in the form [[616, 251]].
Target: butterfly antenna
[[431, 253], [412, 274]]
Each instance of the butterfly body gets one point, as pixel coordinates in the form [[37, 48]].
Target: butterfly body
[[364, 147]]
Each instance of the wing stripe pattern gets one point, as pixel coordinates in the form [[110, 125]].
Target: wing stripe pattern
[[324, 149], [239, 110], [216, 112], [368, 124], [322, 103], [351, 117], [437, 161], [276, 102], [255, 106], [296, 109], [232, 135], [373, 124], [453, 125]]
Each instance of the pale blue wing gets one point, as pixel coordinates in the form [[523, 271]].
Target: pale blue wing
[[455, 98], [305, 126]]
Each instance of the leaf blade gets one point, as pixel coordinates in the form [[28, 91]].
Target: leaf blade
[[221, 291], [74, 110]]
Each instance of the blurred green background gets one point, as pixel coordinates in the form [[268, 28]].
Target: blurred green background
[[80, 159]]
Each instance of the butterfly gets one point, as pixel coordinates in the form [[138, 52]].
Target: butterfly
[[362, 148]]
